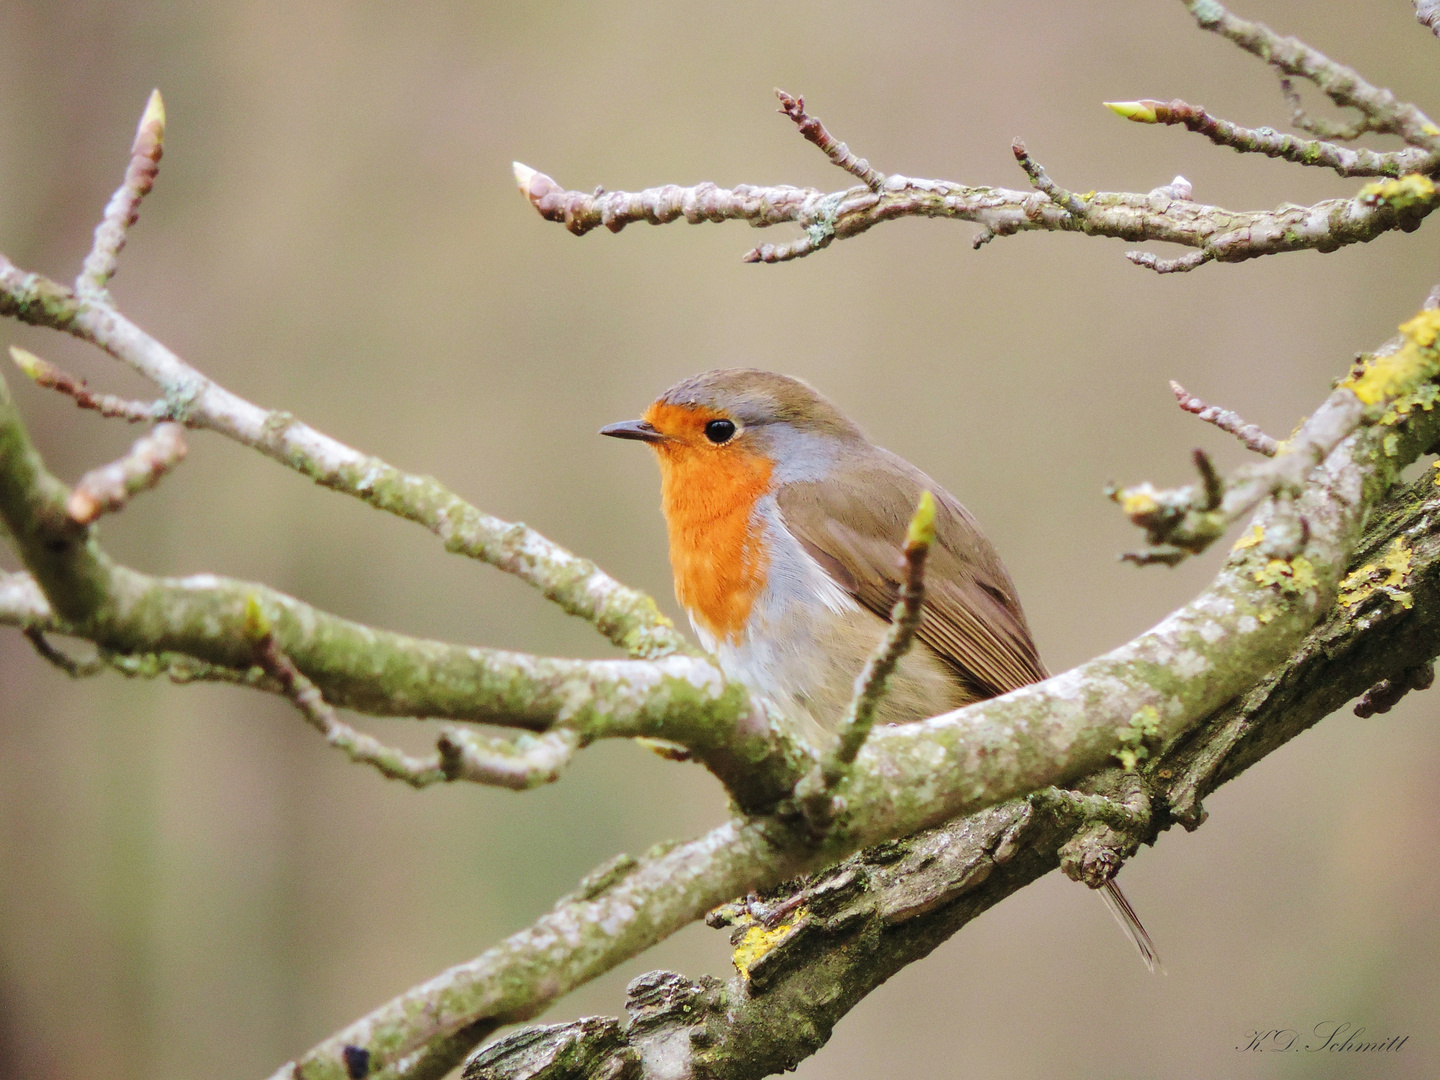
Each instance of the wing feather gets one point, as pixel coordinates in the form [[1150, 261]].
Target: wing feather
[[854, 524]]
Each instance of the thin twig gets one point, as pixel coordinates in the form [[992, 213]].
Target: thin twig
[[1221, 235], [874, 679], [1271, 143], [813, 130], [76, 669], [1179, 265], [47, 375], [519, 762], [124, 206], [1325, 129], [1341, 84], [627, 617], [1042, 182], [357, 746], [110, 487], [1250, 434], [816, 791], [1185, 521]]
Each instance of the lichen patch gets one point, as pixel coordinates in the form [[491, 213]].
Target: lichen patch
[[1390, 575]]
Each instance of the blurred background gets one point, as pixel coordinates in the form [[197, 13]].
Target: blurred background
[[192, 885]]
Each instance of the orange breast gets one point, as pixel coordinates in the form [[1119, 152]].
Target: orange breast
[[716, 548]]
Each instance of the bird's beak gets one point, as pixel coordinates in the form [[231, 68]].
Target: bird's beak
[[633, 429]]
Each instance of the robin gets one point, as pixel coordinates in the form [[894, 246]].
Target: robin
[[786, 527]]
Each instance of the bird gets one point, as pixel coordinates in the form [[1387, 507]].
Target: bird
[[786, 526]]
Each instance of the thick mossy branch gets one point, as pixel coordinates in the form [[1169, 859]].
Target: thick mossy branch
[[677, 697], [627, 617], [59, 551]]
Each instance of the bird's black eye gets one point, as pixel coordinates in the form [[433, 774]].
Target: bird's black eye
[[720, 431]]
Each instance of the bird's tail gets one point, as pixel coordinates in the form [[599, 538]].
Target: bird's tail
[[1131, 924]]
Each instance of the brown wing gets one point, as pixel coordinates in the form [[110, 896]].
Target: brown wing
[[972, 617]]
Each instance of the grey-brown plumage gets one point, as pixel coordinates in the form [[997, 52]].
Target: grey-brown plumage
[[853, 524]]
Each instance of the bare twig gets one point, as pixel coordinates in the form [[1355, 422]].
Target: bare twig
[[51, 377], [124, 205], [874, 679], [1325, 129], [1220, 234], [305, 696], [1271, 143], [1042, 181], [520, 762], [1249, 434], [1186, 521], [837, 152], [1164, 214], [816, 791], [76, 669], [1341, 84], [627, 617], [110, 487], [1179, 265], [1383, 388]]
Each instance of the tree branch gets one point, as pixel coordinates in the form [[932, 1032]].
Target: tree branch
[[1219, 234], [1274, 144], [1226, 420], [628, 618], [1216, 234], [1341, 84], [124, 205]]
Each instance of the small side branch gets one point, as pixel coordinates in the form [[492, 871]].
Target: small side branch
[[47, 375], [1249, 434], [874, 679], [305, 696], [1271, 143], [816, 791], [1183, 522], [1342, 85], [1042, 182], [124, 206], [1325, 129], [838, 153], [110, 487], [1179, 265], [76, 669], [520, 763]]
